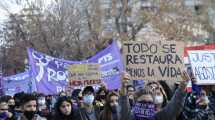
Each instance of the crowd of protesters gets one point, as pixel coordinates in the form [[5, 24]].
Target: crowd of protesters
[[154, 101]]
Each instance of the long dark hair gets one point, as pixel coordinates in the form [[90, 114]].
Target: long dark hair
[[58, 115], [98, 93], [162, 91], [107, 114]]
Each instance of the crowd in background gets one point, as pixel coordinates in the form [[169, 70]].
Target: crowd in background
[[155, 101]]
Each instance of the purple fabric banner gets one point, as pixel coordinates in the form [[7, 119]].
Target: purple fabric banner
[[51, 75], [18, 83], [1, 86]]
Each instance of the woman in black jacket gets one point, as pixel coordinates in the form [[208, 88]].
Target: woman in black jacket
[[63, 109]]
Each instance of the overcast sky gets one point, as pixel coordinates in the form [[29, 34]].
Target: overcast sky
[[13, 8]]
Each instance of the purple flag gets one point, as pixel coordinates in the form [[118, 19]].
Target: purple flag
[[51, 74], [18, 83]]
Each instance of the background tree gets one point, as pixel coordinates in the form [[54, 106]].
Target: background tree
[[76, 30]]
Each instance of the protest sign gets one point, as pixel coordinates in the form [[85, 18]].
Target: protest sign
[[203, 66], [144, 111], [154, 60], [85, 72], [51, 74], [85, 82]]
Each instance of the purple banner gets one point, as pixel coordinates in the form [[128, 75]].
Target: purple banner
[[51, 75], [1, 86], [18, 83], [1, 79], [144, 111]]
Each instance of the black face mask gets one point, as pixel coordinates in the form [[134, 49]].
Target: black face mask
[[213, 93], [29, 114], [102, 97], [11, 107], [203, 107], [131, 101]]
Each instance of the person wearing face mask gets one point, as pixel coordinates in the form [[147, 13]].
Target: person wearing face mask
[[63, 109], [88, 111], [130, 92], [18, 110], [62, 93], [159, 100], [42, 107], [199, 108], [159, 95], [5, 114], [77, 98], [29, 108], [111, 109], [211, 104], [145, 109], [101, 98], [41, 100], [203, 100], [117, 106], [10, 101]]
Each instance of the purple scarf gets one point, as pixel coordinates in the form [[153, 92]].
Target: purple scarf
[[144, 111]]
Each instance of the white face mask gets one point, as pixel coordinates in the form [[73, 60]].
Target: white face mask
[[88, 99], [41, 101], [159, 99], [206, 99]]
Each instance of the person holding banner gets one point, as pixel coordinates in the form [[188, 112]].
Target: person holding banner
[[130, 92], [117, 106], [159, 95], [199, 107], [144, 108]]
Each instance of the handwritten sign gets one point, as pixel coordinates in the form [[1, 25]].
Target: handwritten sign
[[85, 82], [154, 60], [144, 111], [85, 74], [203, 66]]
